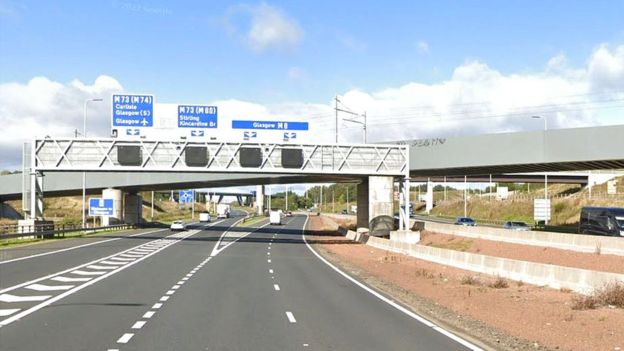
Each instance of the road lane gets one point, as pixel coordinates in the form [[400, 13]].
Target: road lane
[[92, 317]]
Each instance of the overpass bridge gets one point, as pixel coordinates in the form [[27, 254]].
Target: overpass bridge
[[62, 160]]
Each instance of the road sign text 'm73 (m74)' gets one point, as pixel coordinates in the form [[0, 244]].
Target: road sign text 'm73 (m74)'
[[130, 110]]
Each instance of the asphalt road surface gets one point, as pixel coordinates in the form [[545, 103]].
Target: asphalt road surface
[[212, 287]]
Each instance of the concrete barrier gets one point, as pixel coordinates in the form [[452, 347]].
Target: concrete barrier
[[573, 242], [580, 280], [405, 236]]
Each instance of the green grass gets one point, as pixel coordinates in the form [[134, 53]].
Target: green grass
[[248, 222], [16, 242]]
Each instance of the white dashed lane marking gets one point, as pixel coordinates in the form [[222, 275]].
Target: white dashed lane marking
[[276, 287], [138, 325], [148, 314], [291, 317], [125, 338]]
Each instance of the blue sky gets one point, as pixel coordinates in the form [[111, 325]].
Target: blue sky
[[419, 69], [196, 50]]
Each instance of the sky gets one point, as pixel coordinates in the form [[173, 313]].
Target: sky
[[418, 69]]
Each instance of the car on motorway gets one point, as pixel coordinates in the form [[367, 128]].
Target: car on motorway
[[177, 225], [204, 217], [465, 221], [602, 221], [515, 225], [288, 214], [344, 212]]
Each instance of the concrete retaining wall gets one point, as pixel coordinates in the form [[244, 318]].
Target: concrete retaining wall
[[573, 242], [580, 280]]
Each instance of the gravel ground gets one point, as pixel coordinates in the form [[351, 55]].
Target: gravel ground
[[517, 317]]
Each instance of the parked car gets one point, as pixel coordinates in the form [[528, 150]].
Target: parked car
[[177, 225], [513, 225], [602, 221], [466, 221]]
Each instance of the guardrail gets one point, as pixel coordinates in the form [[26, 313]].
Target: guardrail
[[53, 230]]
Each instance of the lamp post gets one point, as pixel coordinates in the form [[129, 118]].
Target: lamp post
[[545, 174], [84, 174]]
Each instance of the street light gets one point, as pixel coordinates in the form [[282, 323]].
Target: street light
[[84, 174], [545, 174]]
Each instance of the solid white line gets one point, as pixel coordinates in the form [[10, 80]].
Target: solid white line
[[79, 272], [290, 316], [15, 298], [138, 325], [101, 267], [113, 263], [148, 314], [125, 338], [80, 287], [276, 287], [76, 247], [388, 301], [70, 280], [8, 312], [113, 349], [41, 287], [157, 305], [216, 250]]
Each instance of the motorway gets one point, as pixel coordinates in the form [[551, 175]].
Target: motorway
[[212, 287]]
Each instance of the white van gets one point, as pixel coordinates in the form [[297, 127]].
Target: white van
[[204, 217], [275, 218]]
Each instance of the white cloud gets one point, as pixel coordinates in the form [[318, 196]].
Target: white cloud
[[45, 107], [475, 99], [422, 47], [269, 28]]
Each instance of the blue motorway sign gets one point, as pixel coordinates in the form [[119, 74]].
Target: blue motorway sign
[[191, 116], [269, 125], [133, 110], [101, 207], [186, 196]]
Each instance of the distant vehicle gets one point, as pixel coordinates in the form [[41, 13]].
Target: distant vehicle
[[204, 217], [344, 212], [519, 226], [354, 209], [223, 211], [465, 221], [602, 221], [177, 225], [275, 218], [288, 213]]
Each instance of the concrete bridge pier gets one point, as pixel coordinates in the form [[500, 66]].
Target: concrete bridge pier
[[374, 199], [117, 197], [133, 208], [260, 199]]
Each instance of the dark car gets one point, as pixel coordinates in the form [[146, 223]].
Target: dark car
[[513, 225], [467, 221], [344, 212], [602, 221]]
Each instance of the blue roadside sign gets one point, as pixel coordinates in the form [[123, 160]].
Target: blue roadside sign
[[186, 196], [193, 116], [129, 110], [101, 207], [269, 125]]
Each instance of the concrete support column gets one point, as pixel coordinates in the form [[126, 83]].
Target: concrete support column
[[260, 199], [133, 209], [429, 198], [380, 192], [116, 196], [362, 204]]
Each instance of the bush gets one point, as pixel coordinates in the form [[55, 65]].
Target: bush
[[470, 280], [610, 295], [499, 283]]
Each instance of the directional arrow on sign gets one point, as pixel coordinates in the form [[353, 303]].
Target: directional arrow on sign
[[132, 131], [197, 133]]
